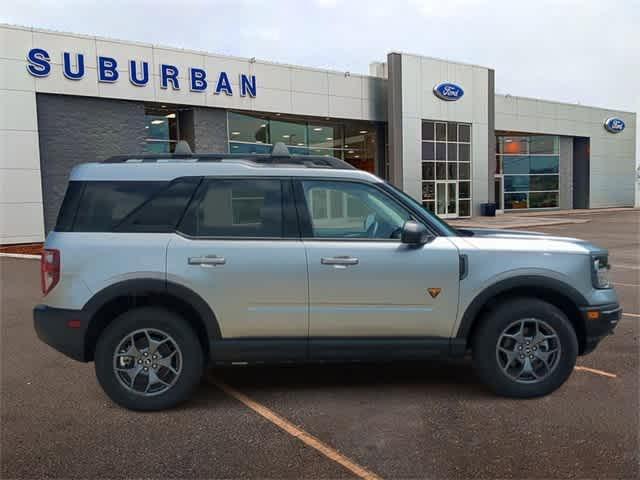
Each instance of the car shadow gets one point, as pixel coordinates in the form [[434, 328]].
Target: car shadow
[[439, 377]]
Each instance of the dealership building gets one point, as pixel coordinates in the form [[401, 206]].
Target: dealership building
[[435, 128]]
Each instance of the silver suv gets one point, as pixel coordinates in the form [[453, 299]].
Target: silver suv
[[162, 264]]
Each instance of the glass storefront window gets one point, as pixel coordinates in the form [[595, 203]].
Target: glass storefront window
[[514, 201], [289, 133], [248, 148], [544, 164], [513, 145], [541, 144], [161, 130], [246, 128], [464, 152], [529, 165], [516, 183], [428, 170], [325, 136], [352, 141], [428, 131], [428, 151], [516, 164], [543, 199], [446, 160], [464, 171]]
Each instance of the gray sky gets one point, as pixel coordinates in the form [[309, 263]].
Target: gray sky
[[580, 51]]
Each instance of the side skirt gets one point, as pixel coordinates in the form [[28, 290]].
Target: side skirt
[[333, 349]]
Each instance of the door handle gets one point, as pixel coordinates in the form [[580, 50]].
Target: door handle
[[340, 260], [212, 260]]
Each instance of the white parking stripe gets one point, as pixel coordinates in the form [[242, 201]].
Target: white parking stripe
[[635, 315], [597, 372], [626, 284], [295, 431]]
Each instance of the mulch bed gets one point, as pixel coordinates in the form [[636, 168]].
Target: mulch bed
[[22, 248]]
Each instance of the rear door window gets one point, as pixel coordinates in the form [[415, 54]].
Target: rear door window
[[230, 208]]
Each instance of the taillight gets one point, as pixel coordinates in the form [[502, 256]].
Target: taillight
[[49, 269]]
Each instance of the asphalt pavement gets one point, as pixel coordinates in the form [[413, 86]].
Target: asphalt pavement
[[426, 420]]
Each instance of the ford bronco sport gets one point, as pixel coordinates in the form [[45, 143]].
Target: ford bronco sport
[[162, 264]]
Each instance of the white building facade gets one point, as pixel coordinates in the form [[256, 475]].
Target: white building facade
[[435, 128]]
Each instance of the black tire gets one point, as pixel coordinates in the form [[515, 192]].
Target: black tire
[[192, 362], [489, 331]]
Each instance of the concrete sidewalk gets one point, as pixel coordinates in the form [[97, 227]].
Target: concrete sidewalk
[[512, 221], [535, 219]]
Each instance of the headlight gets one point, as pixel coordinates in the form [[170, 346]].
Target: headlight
[[600, 271]]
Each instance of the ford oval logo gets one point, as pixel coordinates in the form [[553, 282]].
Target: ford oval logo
[[614, 124], [448, 91]]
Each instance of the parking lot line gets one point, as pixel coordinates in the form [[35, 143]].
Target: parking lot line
[[296, 432], [626, 284], [597, 372], [635, 315]]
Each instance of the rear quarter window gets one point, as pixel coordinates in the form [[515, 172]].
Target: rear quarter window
[[128, 206]]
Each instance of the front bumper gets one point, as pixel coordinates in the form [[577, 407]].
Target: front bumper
[[599, 321], [53, 328]]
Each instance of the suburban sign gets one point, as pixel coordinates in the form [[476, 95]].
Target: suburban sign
[[614, 124], [109, 71], [448, 91]]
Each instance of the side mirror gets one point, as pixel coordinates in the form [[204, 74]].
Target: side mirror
[[414, 233]]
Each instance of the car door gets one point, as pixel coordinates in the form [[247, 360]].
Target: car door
[[239, 249], [363, 282]]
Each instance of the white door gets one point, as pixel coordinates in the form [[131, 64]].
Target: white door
[[447, 198]]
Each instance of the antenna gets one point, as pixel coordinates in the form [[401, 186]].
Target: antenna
[[280, 150], [182, 148]]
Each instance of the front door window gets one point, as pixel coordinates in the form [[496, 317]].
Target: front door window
[[352, 210]]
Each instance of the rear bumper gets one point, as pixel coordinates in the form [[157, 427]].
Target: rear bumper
[[596, 329], [52, 327]]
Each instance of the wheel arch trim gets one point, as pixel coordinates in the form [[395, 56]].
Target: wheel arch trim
[[558, 287], [153, 286]]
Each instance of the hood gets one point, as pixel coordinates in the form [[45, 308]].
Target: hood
[[524, 235]]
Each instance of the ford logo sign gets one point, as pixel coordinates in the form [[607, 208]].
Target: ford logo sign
[[614, 124], [448, 91]]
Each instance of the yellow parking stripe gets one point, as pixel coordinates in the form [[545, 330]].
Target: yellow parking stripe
[[597, 372], [296, 432]]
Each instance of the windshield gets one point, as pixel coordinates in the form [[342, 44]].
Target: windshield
[[434, 219]]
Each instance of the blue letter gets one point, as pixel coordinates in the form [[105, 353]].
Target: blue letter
[[107, 70], [247, 85], [39, 65], [198, 82], [224, 84], [169, 73], [66, 69], [133, 75]]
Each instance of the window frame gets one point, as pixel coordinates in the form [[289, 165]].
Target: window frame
[[290, 223], [306, 224]]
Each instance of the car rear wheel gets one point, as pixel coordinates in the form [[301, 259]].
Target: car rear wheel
[[525, 348], [148, 359]]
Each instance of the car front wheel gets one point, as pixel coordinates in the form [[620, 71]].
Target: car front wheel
[[525, 348]]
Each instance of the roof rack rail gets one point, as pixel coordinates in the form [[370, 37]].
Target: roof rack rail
[[279, 155]]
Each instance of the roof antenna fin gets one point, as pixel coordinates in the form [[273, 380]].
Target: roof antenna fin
[[280, 150], [182, 148]]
